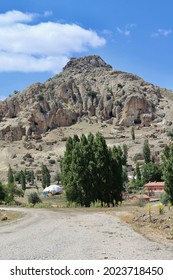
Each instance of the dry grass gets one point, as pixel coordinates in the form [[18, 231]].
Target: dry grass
[[159, 229], [9, 216]]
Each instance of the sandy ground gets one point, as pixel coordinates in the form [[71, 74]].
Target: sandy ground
[[76, 234]]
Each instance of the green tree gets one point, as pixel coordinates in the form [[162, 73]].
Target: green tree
[[2, 192], [146, 151], [57, 176], [17, 176], [124, 154], [10, 191], [10, 175], [151, 172], [22, 180], [168, 171], [133, 133], [117, 175], [29, 176], [102, 165], [92, 94], [90, 171], [138, 172], [34, 198], [45, 176]]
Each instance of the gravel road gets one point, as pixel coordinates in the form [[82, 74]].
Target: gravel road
[[75, 234]]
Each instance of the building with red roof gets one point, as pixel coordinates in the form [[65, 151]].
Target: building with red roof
[[154, 188]]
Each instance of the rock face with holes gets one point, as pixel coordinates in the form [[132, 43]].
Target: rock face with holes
[[135, 109], [87, 87]]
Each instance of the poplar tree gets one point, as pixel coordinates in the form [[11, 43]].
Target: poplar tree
[[138, 172], [90, 171], [45, 176], [10, 175], [168, 171], [23, 180], [146, 151], [102, 166], [133, 133]]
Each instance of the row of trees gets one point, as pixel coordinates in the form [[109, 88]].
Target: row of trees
[[10, 190], [90, 171], [151, 171], [27, 176]]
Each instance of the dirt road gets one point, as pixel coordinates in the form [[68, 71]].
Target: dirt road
[[75, 234]]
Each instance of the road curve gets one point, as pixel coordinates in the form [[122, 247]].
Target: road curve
[[75, 234]]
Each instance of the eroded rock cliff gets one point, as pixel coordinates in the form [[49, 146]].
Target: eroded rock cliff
[[86, 87]]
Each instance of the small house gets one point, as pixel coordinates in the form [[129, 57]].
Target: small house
[[154, 188], [138, 197]]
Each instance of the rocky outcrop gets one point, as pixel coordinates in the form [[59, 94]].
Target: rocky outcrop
[[135, 108], [12, 133], [86, 87]]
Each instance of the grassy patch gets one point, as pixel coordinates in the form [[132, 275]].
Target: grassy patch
[[9, 216]]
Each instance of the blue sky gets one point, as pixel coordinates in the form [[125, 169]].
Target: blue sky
[[37, 38]]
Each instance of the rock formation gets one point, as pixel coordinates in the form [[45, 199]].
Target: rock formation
[[86, 87]]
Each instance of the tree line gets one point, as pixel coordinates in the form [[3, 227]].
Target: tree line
[[9, 190]]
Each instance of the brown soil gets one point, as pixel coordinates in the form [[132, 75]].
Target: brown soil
[[159, 228]]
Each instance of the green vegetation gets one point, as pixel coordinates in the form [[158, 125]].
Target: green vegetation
[[149, 209], [168, 171], [164, 198], [40, 98], [91, 171], [151, 172], [10, 175], [161, 208], [45, 176], [146, 151], [92, 94], [34, 198], [133, 133], [170, 134], [57, 176]]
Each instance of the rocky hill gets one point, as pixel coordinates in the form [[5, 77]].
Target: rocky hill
[[86, 88]]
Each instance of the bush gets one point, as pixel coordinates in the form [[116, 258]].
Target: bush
[[140, 202], [164, 198], [2, 192], [40, 97], [34, 198], [161, 208], [52, 161]]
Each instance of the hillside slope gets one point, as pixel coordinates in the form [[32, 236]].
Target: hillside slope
[[86, 88]]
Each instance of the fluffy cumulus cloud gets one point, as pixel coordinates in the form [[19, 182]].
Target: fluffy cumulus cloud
[[45, 46]]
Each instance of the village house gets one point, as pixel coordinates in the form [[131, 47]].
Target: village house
[[154, 188], [143, 197]]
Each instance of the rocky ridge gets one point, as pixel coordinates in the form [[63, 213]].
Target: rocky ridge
[[86, 88]]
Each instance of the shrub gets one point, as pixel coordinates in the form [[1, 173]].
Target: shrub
[[40, 97], [92, 94], [161, 208], [140, 202], [149, 209], [34, 198], [2, 192], [52, 161], [164, 198]]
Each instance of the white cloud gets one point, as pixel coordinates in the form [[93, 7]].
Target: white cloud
[[41, 47], [161, 32], [15, 16], [126, 31]]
